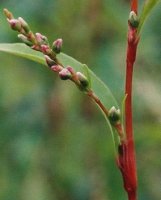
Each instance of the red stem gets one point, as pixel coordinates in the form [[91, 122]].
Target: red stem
[[128, 102], [132, 196], [126, 159], [134, 6], [130, 163]]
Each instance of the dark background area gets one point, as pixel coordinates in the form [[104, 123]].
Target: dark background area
[[54, 143]]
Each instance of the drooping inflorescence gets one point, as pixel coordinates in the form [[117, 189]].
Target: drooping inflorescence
[[40, 43]]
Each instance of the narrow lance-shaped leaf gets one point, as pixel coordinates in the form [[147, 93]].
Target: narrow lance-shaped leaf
[[148, 6], [100, 89], [22, 50]]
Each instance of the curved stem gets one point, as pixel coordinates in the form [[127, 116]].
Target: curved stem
[[97, 101], [118, 127]]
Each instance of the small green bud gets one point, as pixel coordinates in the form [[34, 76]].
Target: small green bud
[[65, 74], [57, 45], [133, 19], [15, 24], [24, 24], [25, 40], [83, 80], [114, 115]]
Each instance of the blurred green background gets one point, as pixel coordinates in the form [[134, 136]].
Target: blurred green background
[[54, 143]]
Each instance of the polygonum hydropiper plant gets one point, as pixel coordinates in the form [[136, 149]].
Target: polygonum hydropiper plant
[[85, 80]]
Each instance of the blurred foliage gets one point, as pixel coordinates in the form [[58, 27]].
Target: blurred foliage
[[54, 144]]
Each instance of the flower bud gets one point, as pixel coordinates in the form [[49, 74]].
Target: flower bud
[[65, 74], [24, 24], [45, 49], [133, 19], [31, 37], [8, 14], [25, 39], [114, 115], [41, 39], [56, 68], [71, 70], [83, 80], [49, 61], [57, 45], [15, 24]]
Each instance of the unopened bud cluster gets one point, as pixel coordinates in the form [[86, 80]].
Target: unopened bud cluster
[[68, 73], [22, 27], [19, 24], [40, 42], [36, 41]]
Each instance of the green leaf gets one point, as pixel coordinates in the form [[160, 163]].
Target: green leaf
[[87, 74], [99, 88], [24, 51], [148, 6]]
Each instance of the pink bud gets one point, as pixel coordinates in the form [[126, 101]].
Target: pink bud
[[38, 37], [41, 39], [57, 45], [71, 70], [45, 49], [15, 24], [65, 74], [49, 61], [36, 48], [56, 68]]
